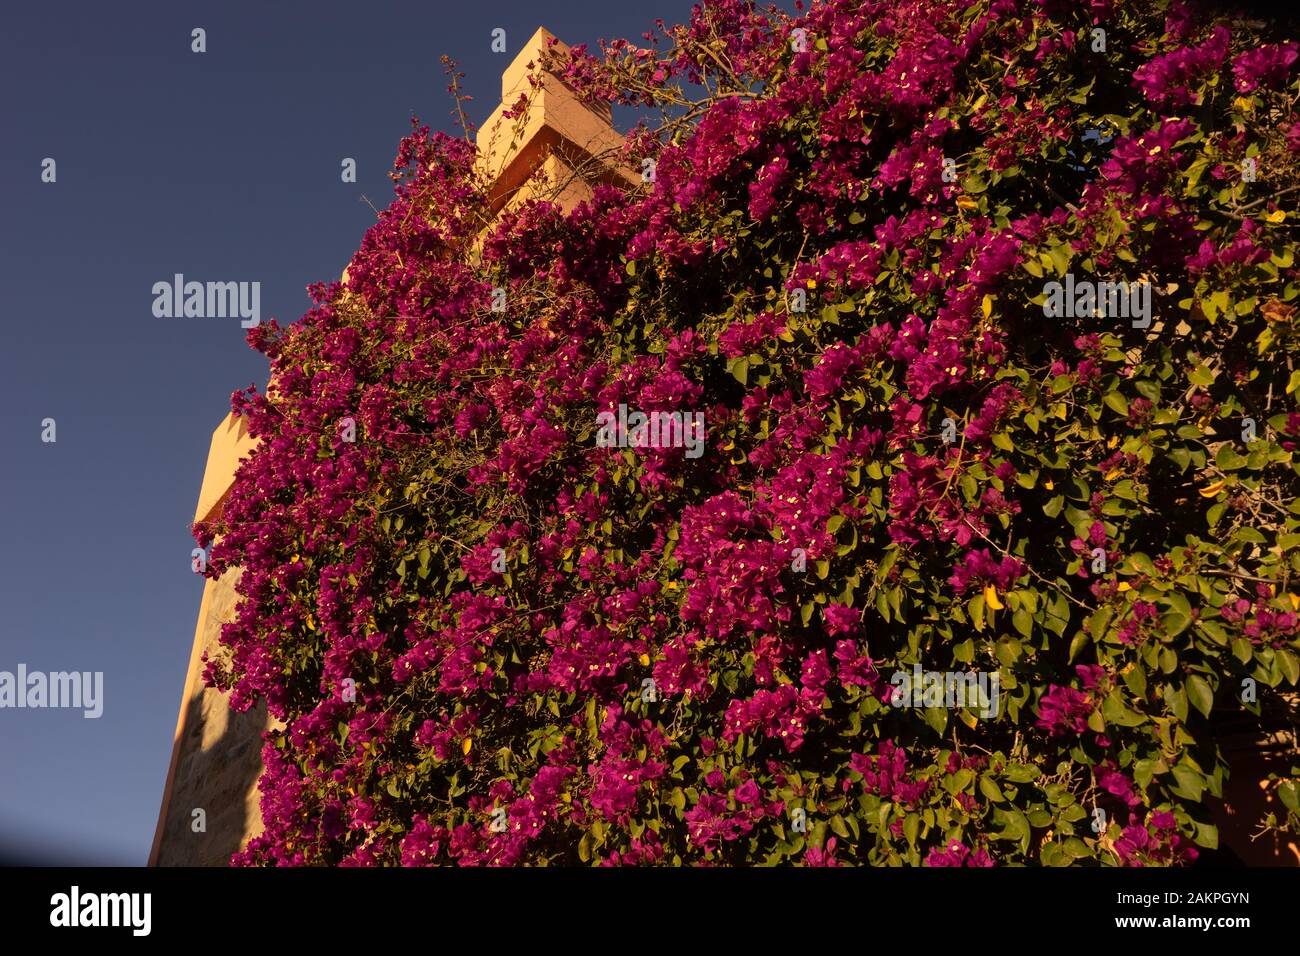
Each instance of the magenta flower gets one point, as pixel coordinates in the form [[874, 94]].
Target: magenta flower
[[957, 853], [980, 568], [1266, 65]]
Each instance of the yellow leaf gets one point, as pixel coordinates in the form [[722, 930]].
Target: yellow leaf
[[987, 306], [1275, 216], [1295, 601], [1209, 491], [645, 660], [467, 746], [1113, 474], [965, 202], [991, 597], [1124, 586], [1049, 484]]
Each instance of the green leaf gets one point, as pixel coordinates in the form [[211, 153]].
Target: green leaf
[[1115, 712], [1200, 694], [1289, 794], [1289, 664], [960, 780], [1190, 783], [1142, 564], [1177, 701], [1060, 256], [1022, 622], [1207, 835], [1227, 459], [936, 718], [1051, 854], [1242, 650], [1022, 772], [1135, 679], [1096, 722], [1017, 828], [1179, 617], [991, 790]]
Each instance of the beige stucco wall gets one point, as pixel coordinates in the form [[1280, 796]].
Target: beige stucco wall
[[216, 758]]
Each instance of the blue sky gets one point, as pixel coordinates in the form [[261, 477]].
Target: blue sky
[[221, 166]]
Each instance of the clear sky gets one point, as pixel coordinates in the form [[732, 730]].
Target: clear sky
[[223, 166]]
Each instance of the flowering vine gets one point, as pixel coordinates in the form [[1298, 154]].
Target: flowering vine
[[493, 640]]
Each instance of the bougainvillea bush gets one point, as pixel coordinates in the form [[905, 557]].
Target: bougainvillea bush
[[493, 639]]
